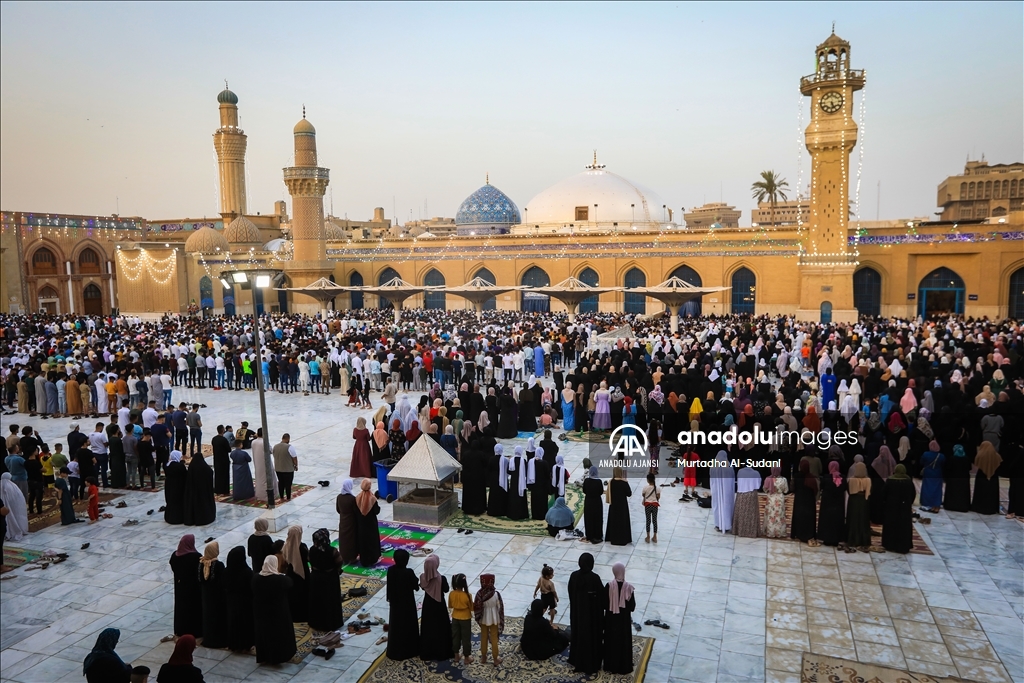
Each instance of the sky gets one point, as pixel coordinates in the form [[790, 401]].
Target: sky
[[111, 108]]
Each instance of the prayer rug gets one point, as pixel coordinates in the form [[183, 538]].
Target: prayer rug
[[393, 536], [587, 437], [17, 557], [297, 490], [529, 435], [825, 669], [919, 546], [515, 668], [51, 510], [352, 606], [525, 527]]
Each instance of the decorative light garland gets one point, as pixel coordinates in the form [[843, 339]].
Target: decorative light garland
[[160, 271]]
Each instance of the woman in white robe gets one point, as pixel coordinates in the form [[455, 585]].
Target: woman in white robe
[[259, 464], [101, 394], [14, 500], [723, 492]]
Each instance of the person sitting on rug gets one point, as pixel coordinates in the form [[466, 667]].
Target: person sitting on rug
[[559, 517], [541, 640], [489, 612]]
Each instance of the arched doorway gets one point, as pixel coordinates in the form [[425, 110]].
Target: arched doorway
[[588, 276], [826, 312], [44, 262], [355, 298], [333, 282], [941, 292], [282, 295], [635, 303], [433, 278], [49, 302], [1017, 294], [867, 292], [534, 301], [229, 299], [386, 275], [92, 299], [690, 277], [488, 276], [744, 298], [206, 295], [89, 262]]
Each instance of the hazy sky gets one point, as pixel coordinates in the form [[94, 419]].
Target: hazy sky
[[413, 103]]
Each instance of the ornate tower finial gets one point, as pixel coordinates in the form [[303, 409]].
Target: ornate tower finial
[[226, 84], [594, 166], [595, 157], [303, 111], [487, 177]]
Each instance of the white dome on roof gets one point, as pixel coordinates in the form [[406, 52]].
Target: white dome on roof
[[620, 203]]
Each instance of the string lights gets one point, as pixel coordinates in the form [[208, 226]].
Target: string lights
[[159, 271]]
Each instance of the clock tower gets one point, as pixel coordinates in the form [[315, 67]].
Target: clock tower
[[826, 261]]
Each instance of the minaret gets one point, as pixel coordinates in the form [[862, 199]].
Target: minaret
[[230, 141], [307, 184], [827, 262]]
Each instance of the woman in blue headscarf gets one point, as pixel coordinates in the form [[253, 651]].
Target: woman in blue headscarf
[[559, 517]]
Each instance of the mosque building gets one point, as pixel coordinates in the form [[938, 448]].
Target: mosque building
[[597, 226]]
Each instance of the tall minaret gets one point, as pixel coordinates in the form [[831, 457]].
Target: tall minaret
[[827, 262], [307, 184], [229, 141]]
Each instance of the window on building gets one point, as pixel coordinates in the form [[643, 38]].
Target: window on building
[[386, 275], [635, 303], [963, 190], [434, 299], [588, 276], [205, 293], [1017, 294], [743, 292], [535, 301], [44, 262], [356, 298], [867, 292], [89, 262], [488, 276], [583, 213], [970, 191], [691, 277]]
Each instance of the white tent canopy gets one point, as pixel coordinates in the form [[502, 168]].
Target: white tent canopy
[[425, 463]]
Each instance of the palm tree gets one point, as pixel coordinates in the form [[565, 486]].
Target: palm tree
[[772, 187]]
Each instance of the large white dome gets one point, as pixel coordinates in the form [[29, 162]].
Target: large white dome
[[621, 204]]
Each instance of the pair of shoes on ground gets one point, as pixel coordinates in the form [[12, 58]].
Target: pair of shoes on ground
[[657, 622], [321, 652], [464, 531]]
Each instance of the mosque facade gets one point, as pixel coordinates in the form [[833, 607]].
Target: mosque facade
[[596, 226]]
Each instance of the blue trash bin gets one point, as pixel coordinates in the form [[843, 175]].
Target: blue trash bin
[[388, 490]]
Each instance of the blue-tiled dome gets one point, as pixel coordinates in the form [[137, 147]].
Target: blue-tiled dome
[[488, 206]]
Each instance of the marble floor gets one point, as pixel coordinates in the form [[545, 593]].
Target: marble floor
[[738, 609]]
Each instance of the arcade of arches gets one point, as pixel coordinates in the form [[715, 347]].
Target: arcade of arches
[[67, 276]]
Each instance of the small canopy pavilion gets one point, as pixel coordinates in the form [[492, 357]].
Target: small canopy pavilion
[[397, 291], [478, 290], [431, 471], [572, 292], [323, 290], [674, 292]]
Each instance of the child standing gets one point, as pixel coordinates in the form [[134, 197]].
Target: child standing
[[651, 495], [75, 479], [94, 500], [489, 612], [689, 474], [462, 615], [548, 594]]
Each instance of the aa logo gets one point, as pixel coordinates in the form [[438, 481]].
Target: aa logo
[[626, 441]]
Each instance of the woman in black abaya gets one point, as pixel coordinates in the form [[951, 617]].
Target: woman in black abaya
[[587, 600], [541, 640], [436, 631], [540, 489], [618, 624], [527, 420], [238, 587], [296, 568], [260, 544], [832, 514], [507, 417], [200, 506], [188, 598], [619, 531], [497, 481], [986, 481], [593, 507], [474, 479], [516, 507], [404, 629], [214, 597], [957, 474], [348, 513], [367, 530], [175, 476], [325, 613], [805, 490], [898, 528], [272, 619]]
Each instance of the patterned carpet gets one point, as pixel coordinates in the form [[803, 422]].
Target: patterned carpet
[[525, 527], [515, 668], [352, 606], [393, 535], [51, 510], [297, 490], [919, 547], [17, 557], [825, 669], [587, 437]]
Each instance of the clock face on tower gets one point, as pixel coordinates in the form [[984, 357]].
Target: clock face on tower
[[831, 102]]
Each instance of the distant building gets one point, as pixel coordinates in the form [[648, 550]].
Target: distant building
[[436, 227], [789, 212], [719, 213], [981, 191]]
